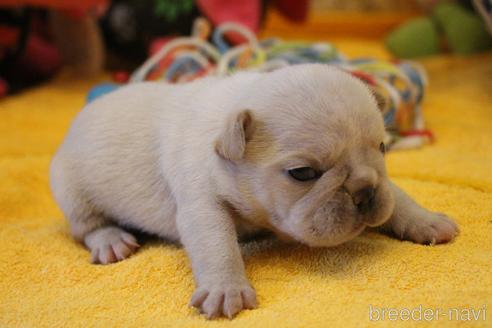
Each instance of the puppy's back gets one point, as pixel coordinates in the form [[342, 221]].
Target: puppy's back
[[110, 156]]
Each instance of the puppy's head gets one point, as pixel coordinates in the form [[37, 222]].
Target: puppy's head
[[309, 152]]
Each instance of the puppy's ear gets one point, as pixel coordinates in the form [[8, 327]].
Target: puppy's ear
[[380, 99], [237, 132]]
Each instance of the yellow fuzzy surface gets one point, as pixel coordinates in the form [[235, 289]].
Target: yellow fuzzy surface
[[46, 279]]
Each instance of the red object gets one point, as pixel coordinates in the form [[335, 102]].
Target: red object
[[55, 4], [121, 76], [40, 57], [74, 9], [295, 10], [158, 43], [244, 12], [422, 133], [364, 77], [8, 36], [248, 12], [4, 88]]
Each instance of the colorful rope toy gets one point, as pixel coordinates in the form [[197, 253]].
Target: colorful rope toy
[[401, 84]]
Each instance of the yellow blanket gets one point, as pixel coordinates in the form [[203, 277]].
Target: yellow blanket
[[46, 279]]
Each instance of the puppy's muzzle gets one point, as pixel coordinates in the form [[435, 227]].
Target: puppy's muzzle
[[364, 199], [366, 204]]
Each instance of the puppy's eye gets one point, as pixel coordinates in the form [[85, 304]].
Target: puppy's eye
[[304, 173], [382, 147]]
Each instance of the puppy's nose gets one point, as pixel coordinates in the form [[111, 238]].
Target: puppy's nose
[[364, 199]]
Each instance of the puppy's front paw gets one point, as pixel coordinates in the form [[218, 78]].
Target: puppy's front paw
[[224, 299], [428, 228]]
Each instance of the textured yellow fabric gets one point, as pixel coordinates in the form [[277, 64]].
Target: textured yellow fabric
[[46, 279]]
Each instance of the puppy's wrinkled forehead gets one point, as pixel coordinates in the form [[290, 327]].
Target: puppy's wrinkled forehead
[[318, 109]]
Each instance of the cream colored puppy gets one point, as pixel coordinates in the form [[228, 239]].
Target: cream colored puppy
[[297, 151]]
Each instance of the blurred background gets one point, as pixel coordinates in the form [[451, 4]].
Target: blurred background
[[40, 37]]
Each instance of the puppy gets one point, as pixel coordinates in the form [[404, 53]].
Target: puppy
[[297, 151]]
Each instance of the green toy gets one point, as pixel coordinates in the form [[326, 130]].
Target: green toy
[[465, 31], [461, 30], [417, 38]]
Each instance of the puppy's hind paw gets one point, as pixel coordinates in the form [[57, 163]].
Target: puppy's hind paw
[[110, 244], [224, 300]]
